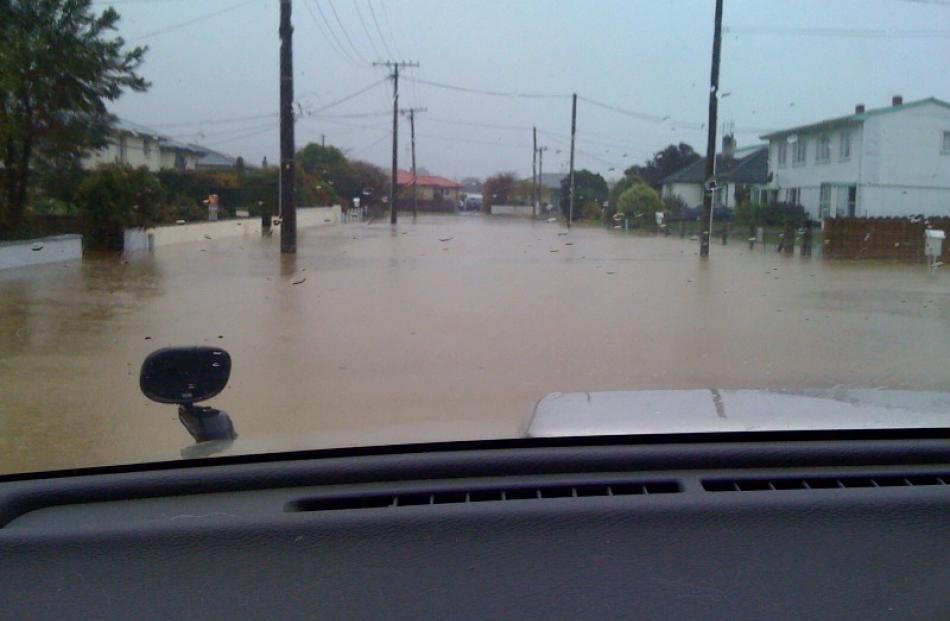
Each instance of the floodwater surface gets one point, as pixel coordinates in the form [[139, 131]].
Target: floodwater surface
[[450, 328]]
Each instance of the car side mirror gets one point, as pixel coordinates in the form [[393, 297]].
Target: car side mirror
[[185, 375]]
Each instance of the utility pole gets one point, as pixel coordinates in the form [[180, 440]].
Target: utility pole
[[570, 214], [323, 140], [288, 207], [708, 179], [395, 66], [541, 151], [412, 133], [534, 173]]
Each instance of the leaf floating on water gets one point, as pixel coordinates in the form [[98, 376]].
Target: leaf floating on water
[[553, 250], [447, 239], [568, 243], [299, 281]]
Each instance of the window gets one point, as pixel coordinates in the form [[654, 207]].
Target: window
[[800, 152], [792, 195], [123, 149], [946, 142], [824, 201], [823, 152], [844, 146], [783, 149], [147, 147]]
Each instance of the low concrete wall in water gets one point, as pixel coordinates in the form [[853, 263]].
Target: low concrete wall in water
[[144, 240], [523, 211], [38, 251]]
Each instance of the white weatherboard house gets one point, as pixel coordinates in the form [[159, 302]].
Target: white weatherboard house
[[737, 171], [137, 145], [892, 161]]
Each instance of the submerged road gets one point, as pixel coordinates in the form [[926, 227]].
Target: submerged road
[[450, 328]]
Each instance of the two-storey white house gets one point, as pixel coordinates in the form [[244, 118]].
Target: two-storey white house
[[892, 161], [137, 145]]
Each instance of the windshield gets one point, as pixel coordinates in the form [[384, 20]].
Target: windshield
[[430, 221]]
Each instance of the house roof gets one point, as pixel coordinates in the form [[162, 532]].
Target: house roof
[[404, 177], [165, 142], [215, 159], [747, 165], [852, 119]]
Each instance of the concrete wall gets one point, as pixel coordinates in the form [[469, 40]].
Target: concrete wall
[[511, 210], [139, 240], [142, 240], [39, 251]]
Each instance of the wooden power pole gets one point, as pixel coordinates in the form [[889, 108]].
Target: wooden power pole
[[412, 137], [709, 176], [534, 172], [395, 66], [288, 206], [541, 151], [570, 212]]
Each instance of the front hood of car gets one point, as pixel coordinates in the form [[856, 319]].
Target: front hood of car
[[636, 412]]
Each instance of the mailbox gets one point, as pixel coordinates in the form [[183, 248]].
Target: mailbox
[[933, 242]]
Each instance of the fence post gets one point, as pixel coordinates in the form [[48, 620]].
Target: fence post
[[683, 228], [788, 237], [725, 233], [806, 240]]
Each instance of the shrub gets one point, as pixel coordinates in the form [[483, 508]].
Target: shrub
[[640, 201], [115, 197], [592, 211]]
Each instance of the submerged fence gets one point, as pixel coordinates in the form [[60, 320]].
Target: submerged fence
[[880, 238]]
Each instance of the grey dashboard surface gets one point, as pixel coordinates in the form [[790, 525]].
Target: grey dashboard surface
[[804, 528]]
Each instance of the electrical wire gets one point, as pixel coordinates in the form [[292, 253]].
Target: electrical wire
[[224, 121], [369, 38], [189, 22], [853, 33], [348, 97], [337, 45], [465, 89], [346, 35], [379, 31]]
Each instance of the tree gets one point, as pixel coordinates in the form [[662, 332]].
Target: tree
[[496, 189], [521, 194], [640, 201], [663, 164], [326, 162], [58, 68], [588, 186]]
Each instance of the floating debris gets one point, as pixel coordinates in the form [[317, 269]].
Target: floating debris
[[299, 281], [36, 247], [447, 239], [207, 236]]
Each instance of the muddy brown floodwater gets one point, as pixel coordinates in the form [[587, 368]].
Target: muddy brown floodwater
[[450, 328]]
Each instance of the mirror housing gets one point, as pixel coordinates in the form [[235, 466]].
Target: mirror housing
[[185, 375]]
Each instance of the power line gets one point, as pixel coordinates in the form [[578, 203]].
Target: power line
[[839, 32], [465, 89], [389, 53], [346, 35], [247, 135], [191, 21], [389, 26], [337, 45], [348, 97], [225, 121], [369, 38]]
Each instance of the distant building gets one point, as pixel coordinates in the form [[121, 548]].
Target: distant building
[[552, 183], [137, 145], [738, 171], [891, 161], [432, 192], [215, 160]]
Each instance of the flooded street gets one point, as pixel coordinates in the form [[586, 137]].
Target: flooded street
[[449, 328]]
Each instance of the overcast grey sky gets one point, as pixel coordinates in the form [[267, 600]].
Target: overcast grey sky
[[779, 67]]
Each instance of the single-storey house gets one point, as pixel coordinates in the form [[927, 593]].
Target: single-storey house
[[433, 193], [889, 161], [737, 171]]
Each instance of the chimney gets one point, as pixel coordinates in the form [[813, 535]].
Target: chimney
[[859, 109], [897, 100], [728, 145]]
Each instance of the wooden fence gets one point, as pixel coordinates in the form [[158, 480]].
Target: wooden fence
[[880, 238]]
